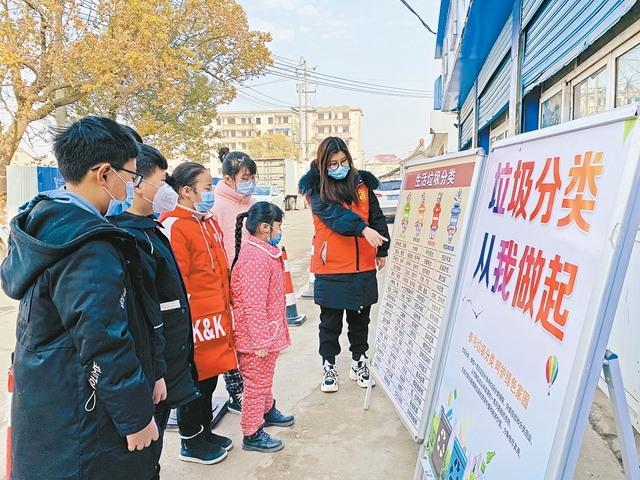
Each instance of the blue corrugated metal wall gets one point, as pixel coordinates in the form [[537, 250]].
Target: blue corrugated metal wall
[[494, 99], [562, 30], [501, 48]]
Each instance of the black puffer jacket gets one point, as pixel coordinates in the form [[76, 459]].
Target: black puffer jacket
[[165, 299], [350, 291], [83, 359]]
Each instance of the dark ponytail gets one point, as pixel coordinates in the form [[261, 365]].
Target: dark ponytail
[[239, 220], [259, 213]]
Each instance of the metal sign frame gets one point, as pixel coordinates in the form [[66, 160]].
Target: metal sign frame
[[477, 156]]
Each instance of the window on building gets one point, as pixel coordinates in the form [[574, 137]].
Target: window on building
[[270, 120], [243, 120], [324, 116], [231, 121], [243, 146], [231, 133], [219, 121], [346, 141], [287, 119], [231, 146], [258, 119], [590, 95], [628, 77], [551, 111]]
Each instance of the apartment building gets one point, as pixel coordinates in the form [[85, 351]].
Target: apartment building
[[237, 129]]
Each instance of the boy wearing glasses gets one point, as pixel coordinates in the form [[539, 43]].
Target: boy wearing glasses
[[84, 373]]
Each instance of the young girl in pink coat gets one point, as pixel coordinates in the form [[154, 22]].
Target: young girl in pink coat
[[260, 324]]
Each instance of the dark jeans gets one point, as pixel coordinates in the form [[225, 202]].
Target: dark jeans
[[194, 414], [331, 328], [234, 383]]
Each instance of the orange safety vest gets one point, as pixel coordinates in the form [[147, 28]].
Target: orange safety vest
[[335, 253]]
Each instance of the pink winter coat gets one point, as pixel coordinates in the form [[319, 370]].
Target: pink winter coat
[[226, 208], [259, 302]]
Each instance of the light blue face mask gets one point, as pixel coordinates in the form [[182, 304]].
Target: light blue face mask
[[208, 199], [246, 188], [340, 172], [117, 207], [275, 240]]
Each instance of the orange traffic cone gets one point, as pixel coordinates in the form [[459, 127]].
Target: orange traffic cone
[[10, 394], [292, 310]]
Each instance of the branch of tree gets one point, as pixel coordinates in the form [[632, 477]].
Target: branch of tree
[[49, 107]]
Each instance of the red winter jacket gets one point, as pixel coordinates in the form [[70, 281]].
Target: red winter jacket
[[197, 244], [259, 302]]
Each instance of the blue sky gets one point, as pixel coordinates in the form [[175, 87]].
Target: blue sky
[[375, 41]]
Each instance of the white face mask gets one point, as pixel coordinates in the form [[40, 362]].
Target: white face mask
[[165, 199]]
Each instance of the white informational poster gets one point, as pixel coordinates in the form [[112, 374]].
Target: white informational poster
[[424, 247], [546, 256]]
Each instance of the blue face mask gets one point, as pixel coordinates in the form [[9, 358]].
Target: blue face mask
[[275, 240], [208, 199], [246, 188], [117, 207], [340, 172]]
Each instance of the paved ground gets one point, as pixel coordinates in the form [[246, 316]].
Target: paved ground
[[333, 438]]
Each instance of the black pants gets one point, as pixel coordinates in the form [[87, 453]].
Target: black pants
[[194, 414], [331, 328]]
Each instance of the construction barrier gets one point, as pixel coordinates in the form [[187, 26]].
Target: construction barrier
[[293, 318], [9, 395]]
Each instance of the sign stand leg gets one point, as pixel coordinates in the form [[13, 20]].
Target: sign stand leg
[[367, 397], [613, 377]]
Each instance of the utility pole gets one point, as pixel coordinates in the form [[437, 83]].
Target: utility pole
[[300, 141], [306, 108]]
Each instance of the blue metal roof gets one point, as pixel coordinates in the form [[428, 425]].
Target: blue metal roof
[[482, 26]]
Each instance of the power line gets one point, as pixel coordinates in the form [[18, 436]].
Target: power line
[[346, 81], [355, 88], [414, 12]]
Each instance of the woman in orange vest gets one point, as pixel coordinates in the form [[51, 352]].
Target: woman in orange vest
[[350, 242]]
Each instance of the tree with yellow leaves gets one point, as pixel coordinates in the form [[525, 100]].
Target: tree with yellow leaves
[[272, 145], [160, 65]]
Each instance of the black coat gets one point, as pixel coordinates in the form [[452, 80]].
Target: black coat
[[166, 299], [350, 291], [83, 359]]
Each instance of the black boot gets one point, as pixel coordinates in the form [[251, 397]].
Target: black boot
[[275, 418], [197, 449]]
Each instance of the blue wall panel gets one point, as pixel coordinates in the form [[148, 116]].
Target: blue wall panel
[[495, 97], [561, 31]]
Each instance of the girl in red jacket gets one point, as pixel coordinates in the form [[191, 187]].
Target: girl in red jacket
[[260, 324], [196, 240]]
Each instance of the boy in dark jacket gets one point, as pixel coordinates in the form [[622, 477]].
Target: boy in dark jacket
[[82, 402], [166, 299]]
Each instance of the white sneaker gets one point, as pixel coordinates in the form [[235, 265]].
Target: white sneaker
[[330, 381], [360, 372]]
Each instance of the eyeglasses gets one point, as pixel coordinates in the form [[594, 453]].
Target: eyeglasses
[[137, 177], [246, 178], [334, 166]]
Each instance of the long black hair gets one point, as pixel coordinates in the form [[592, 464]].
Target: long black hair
[[332, 191], [259, 213]]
